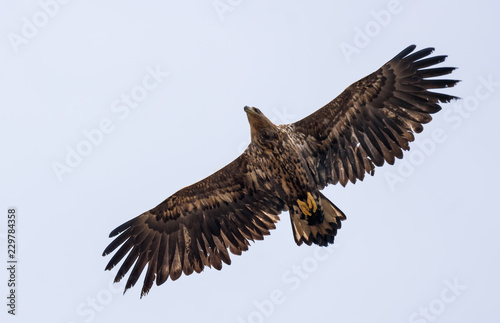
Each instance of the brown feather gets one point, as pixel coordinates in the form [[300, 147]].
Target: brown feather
[[385, 108], [367, 125]]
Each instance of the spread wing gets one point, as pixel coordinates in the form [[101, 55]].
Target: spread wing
[[373, 120], [195, 227]]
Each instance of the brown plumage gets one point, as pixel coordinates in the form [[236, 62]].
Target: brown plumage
[[283, 168]]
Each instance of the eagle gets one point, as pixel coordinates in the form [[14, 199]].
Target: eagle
[[284, 168]]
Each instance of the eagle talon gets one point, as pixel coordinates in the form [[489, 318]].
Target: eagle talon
[[311, 203], [303, 206], [308, 206]]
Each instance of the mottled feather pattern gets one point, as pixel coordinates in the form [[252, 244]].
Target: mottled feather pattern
[[369, 124], [373, 120], [196, 226]]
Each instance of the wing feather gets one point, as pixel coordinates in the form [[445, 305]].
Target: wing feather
[[374, 119], [198, 226]]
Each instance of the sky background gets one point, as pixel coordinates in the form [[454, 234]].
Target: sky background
[[421, 240]]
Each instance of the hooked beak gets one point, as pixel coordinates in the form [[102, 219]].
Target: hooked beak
[[251, 110]]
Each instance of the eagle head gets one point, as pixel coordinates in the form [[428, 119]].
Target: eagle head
[[263, 131]]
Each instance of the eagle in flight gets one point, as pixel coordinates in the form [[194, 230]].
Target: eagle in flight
[[283, 169]]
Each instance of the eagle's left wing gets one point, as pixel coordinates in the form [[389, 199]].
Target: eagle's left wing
[[373, 120], [197, 225]]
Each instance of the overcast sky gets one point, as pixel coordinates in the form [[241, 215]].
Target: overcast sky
[[109, 108]]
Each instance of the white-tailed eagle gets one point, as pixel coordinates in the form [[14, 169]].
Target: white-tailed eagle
[[283, 169]]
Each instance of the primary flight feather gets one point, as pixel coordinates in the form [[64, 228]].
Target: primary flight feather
[[283, 169]]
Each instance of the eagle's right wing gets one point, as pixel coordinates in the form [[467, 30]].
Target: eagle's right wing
[[373, 120], [194, 227]]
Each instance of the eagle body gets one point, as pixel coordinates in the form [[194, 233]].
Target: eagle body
[[280, 150], [284, 168]]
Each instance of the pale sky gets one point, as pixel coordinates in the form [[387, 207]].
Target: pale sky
[[109, 108]]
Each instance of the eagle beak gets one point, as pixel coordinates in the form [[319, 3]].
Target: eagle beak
[[249, 109]]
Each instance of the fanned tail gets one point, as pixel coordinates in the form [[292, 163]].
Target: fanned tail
[[321, 227]]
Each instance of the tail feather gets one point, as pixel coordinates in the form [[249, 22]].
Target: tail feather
[[321, 232]]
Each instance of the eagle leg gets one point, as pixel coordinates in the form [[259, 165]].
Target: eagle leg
[[303, 207], [309, 206], [311, 203]]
